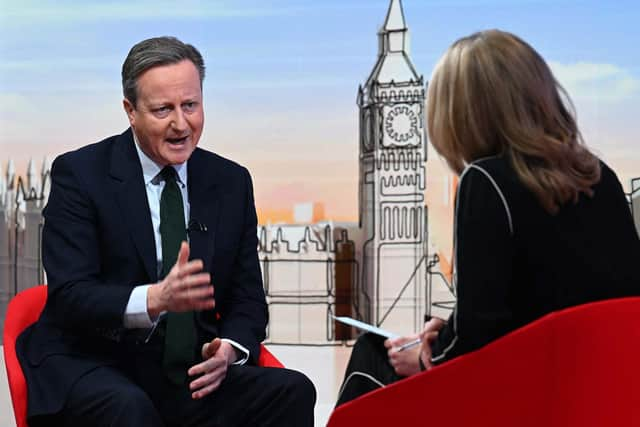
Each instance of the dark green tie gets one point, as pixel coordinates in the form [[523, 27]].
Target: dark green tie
[[179, 341]]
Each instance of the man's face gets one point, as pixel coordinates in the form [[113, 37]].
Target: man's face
[[168, 117]]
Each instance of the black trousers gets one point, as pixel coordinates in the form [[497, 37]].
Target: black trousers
[[368, 368], [137, 393]]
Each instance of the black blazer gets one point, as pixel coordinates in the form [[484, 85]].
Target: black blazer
[[98, 244], [515, 262]]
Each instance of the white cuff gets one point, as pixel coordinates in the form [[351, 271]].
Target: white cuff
[[136, 315], [238, 347]]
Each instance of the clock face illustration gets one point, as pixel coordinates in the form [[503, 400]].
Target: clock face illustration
[[401, 125]]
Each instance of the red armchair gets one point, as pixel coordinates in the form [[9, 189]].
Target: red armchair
[[576, 367], [23, 310]]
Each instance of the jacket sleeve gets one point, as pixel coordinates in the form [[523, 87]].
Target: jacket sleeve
[[77, 297], [244, 316], [483, 268]]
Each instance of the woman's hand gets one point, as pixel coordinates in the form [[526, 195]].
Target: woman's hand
[[428, 335]]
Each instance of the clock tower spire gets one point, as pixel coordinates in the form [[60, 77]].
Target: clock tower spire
[[395, 17], [392, 213]]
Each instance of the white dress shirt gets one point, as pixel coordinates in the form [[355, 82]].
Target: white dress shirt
[[136, 314]]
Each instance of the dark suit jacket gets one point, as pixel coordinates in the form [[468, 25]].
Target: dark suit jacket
[[98, 244]]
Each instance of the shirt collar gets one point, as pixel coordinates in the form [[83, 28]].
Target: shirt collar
[[151, 170]]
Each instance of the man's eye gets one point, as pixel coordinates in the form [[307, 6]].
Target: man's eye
[[189, 106], [161, 111]]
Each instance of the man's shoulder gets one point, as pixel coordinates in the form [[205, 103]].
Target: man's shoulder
[[219, 164], [91, 152]]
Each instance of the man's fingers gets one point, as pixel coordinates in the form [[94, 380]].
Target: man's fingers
[[183, 254], [198, 292], [207, 365], [203, 305], [208, 377], [212, 370], [191, 267], [210, 363], [199, 394], [196, 280]]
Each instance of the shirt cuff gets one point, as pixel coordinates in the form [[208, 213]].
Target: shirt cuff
[[239, 347], [136, 315]]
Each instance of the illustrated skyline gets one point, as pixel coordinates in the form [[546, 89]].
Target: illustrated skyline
[[280, 91]]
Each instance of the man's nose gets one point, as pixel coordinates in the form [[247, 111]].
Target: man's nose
[[179, 122]]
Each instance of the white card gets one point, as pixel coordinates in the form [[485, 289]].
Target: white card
[[365, 326]]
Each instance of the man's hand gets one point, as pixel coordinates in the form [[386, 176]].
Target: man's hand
[[428, 335], [217, 355], [185, 288], [404, 362]]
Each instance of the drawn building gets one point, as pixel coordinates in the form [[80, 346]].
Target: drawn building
[[375, 270], [393, 215], [308, 272], [21, 203]]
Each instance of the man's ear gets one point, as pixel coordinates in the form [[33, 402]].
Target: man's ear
[[130, 110]]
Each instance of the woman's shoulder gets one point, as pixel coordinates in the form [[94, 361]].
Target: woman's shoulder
[[483, 187], [497, 166], [608, 175], [496, 170]]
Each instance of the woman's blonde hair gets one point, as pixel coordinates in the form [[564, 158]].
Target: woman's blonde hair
[[493, 94]]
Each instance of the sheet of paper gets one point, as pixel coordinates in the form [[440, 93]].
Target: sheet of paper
[[364, 326]]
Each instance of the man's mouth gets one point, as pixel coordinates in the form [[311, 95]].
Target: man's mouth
[[177, 141]]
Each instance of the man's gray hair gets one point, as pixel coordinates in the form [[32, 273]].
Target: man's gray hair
[[155, 52]]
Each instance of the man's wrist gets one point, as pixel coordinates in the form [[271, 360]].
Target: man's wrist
[[231, 354], [241, 352], [154, 307], [136, 315]]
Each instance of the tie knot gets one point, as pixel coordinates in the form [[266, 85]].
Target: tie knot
[[168, 173]]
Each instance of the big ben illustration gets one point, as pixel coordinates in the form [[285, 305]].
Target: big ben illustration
[[392, 212]]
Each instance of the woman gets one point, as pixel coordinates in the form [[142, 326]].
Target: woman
[[540, 222]]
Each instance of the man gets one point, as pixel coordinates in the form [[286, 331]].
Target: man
[[131, 334]]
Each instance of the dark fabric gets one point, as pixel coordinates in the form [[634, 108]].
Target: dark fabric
[[106, 397], [98, 244], [369, 356], [587, 252], [180, 339], [249, 395]]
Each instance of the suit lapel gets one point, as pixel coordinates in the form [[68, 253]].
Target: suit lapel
[[204, 204], [131, 195]]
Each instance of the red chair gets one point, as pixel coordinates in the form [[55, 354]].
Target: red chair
[[576, 367], [267, 359], [23, 310]]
